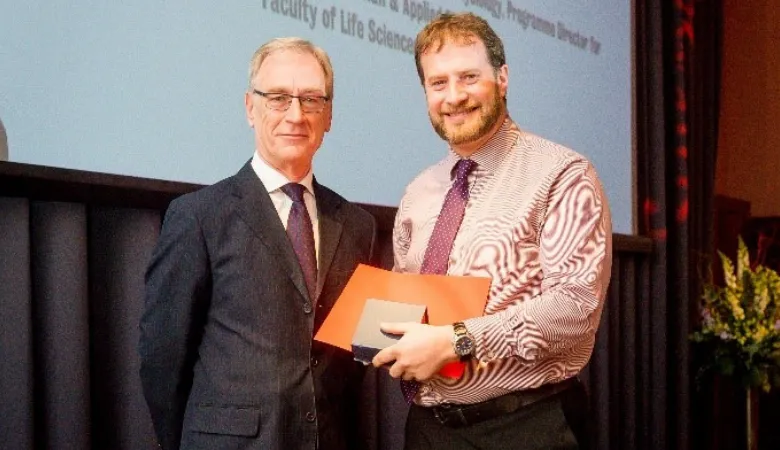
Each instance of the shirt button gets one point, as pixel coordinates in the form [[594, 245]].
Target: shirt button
[[310, 417], [315, 362], [307, 308]]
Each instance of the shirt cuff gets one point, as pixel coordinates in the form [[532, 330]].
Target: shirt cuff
[[485, 330]]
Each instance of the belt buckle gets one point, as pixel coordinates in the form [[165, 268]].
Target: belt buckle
[[438, 413], [450, 415]]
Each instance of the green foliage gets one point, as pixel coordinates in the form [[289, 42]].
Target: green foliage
[[740, 326]]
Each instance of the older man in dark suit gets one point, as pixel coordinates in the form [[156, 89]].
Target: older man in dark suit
[[244, 273]]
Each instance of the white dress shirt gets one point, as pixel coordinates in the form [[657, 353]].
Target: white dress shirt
[[273, 180]]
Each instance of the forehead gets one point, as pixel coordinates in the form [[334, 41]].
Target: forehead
[[289, 69], [455, 57]]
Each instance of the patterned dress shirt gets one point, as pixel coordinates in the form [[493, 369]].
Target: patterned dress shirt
[[538, 225]]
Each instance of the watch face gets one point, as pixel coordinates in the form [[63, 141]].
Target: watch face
[[464, 346]]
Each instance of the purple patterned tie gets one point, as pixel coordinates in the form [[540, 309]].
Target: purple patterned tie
[[437, 253], [301, 234]]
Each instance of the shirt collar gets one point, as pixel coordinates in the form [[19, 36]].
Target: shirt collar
[[490, 156], [273, 180]]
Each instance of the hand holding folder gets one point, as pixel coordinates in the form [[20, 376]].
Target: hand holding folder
[[448, 299]]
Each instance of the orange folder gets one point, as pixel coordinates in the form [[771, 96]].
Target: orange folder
[[448, 299]]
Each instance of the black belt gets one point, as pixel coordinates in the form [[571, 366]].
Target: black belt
[[454, 415]]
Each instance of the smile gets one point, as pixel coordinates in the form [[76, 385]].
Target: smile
[[461, 114]]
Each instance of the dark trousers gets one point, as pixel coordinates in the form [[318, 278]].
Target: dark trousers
[[556, 422]]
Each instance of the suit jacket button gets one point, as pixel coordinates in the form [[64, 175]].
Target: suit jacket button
[[310, 417], [307, 308], [315, 362]]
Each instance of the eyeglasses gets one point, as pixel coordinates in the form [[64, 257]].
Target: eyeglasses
[[281, 102]]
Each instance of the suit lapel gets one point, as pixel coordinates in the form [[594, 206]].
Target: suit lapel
[[257, 210], [330, 226]]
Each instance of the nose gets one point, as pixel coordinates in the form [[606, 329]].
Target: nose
[[294, 113], [456, 94]]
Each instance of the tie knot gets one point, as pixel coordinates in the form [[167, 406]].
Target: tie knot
[[463, 168], [294, 191]]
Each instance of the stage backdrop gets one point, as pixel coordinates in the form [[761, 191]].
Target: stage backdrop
[[155, 88]]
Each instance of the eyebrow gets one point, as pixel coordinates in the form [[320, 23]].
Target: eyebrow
[[459, 74], [287, 90]]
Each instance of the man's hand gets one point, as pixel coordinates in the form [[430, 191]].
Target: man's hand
[[420, 353]]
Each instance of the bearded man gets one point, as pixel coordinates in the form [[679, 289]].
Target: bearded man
[[527, 213]]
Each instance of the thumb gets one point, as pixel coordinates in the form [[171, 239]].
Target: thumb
[[396, 327]]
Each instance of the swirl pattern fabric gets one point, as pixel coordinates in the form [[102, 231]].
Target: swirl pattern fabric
[[538, 225]]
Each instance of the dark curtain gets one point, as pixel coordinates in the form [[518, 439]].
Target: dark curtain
[[70, 296], [678, 63], [71, 283]]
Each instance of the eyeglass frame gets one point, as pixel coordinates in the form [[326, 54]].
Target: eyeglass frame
[[300, 98]]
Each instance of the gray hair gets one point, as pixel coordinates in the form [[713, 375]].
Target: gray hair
[[294, 44]]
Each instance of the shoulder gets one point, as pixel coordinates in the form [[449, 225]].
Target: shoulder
[[433, 179], [205, 201], [545, 151], [431, 174], [350, 211], [546, 159], [562, 171]]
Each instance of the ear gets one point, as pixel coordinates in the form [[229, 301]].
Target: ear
[[502, 79], [329, 117], [249, 105]]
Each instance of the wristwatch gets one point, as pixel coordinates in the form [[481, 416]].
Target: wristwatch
[[462, 341]]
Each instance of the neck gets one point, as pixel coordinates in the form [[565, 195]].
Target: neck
[[294, 172], [467, 149]]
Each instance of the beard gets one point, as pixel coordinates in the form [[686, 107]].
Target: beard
[[473, 128]]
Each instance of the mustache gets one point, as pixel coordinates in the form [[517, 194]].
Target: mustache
[[460, 109]]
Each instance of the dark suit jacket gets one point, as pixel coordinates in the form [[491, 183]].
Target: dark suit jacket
[[227, 356]]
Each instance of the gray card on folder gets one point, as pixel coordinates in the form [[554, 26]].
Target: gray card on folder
[[368, 339]]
